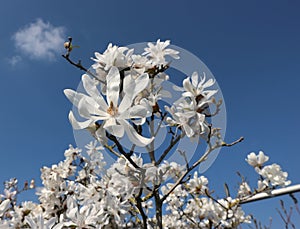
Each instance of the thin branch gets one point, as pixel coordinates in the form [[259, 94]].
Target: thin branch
[[79, 65], [233, 143], [110, 148], [202, 158], [167, 150], [121, 150]]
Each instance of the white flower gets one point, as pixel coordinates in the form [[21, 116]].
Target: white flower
[[244, 190], [4, 206], [157, 52], [196, 89], [198, 185], [39, 222], [185, 115], [113, 56], [257, 160], [274, 175], [113, 113], [79, 218]]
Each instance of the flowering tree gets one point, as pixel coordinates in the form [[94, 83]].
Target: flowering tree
[[123, 99]]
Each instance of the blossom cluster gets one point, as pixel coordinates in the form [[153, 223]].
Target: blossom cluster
[[125, 90], [79, 193]]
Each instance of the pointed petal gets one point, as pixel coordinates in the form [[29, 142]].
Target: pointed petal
[[195, 79], [202, 80], [131, 88], [208, 83], [88, 109], [188, 130], [137, 111], [113, 86], [134, 86], [114, 129], [187, 85], [91, 89], [134, 136], [139, 121], [73, 96], [78, 125]]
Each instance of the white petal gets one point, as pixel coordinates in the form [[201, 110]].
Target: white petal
[[187, 94], [4, 206], [202, 80], [30, 222], [188, 130], [131, 88], [78, 125], [92, 90], [125, 103], [139, 121], [195, 79], [137, 111], [210, 93], [187, 84], [134, 86], [208, 83], [73, 96], [88, 109], [134, 136], [113, 86], [116, 130], [109, 122]]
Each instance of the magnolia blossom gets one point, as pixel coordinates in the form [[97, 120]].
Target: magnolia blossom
[[198, 185], [244, 190], [39, 222], [257, 160], [157, 52], [195, 88], [274, 175], [113, 56], [4, 206], [113, 113]]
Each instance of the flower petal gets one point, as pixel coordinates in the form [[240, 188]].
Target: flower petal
[[87, 108], [134, 136], [131, 88], [73, 96], [78, 125], [195, 79], [113, 86], [91, 89], [187, 85], [114, 129]]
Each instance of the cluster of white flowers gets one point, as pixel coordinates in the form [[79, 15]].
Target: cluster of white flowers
[[271, 176], [123, 96], [130, 93], [79, 193]]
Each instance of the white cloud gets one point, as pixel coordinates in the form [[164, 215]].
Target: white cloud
[[14, 60], [39, 40]]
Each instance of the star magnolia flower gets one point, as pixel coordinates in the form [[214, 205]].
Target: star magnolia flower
[[113, 114], [196, 89], [257, 160], [274, 175], [113, 56], [40, 222], [158, 52]]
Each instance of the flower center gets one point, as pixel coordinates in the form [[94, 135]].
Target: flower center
[[112, 110]]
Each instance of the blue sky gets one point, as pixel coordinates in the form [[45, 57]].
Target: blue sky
[[252, 48]]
